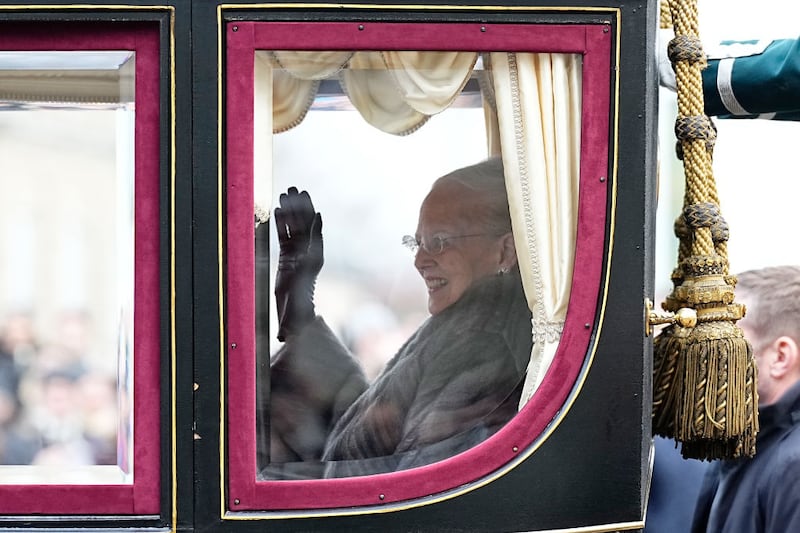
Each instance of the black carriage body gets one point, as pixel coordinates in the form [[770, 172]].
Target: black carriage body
[[588, 468]]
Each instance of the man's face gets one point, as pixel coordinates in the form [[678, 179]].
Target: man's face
[[762, 353], [446, 213]]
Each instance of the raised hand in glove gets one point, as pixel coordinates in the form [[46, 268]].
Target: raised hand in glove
[[299, 262]]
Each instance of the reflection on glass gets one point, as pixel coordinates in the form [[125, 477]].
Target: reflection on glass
[[66, 267], [381, 359]]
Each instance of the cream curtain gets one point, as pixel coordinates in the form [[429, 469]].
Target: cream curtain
[[538, 99], [62, 86], [296, 77], [67, 77], [394, 91], [532, 104]]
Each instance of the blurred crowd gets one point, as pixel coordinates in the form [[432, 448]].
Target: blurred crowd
[[56, 409]]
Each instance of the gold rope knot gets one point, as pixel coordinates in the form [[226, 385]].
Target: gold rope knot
[[686, 48], [691, 128], [720, 231], [681, 229], [701, 215], [696, 127]]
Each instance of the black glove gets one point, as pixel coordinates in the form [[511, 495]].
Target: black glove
[[299, 262]]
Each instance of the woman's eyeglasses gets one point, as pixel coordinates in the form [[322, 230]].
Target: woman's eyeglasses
[[436, 244]]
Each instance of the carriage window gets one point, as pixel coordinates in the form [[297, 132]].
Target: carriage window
[[400, 228], [405, 338], [66, 267]]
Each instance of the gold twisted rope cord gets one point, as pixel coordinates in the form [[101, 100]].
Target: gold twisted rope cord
[[664, 17], [698, 171]]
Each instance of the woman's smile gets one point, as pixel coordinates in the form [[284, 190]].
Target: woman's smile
[[468, 253], [435, 284]]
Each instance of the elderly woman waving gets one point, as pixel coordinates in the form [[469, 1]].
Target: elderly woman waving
[[454, 382]]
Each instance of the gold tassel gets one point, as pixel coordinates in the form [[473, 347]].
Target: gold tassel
[[667, 348], [704, 376], [716, 417], [713, 398], [668, 345]]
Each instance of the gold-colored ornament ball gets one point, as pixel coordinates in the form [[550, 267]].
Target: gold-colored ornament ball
[[686, 317]]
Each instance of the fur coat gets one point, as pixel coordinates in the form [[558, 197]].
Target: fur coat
[[455, 382]]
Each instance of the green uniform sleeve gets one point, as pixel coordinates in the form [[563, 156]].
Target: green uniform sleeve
[[759, 85]]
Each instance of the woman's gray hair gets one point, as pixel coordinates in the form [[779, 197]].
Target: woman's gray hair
[[488, 179]]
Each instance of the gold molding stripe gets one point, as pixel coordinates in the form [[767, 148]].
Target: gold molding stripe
[[89, 7], [220, 263], [173, 335]]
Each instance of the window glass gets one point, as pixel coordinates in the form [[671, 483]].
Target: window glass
[[66, 267], [415, 354]]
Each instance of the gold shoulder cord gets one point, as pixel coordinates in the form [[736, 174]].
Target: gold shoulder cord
[[704, 383]]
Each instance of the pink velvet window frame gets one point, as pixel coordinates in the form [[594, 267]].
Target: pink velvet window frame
[[241, 40], [142, 497]]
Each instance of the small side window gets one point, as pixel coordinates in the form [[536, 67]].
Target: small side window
[[80, 313]]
